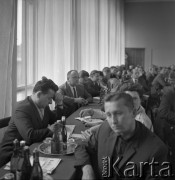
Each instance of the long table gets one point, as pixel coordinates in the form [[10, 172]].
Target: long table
[[65, 169]]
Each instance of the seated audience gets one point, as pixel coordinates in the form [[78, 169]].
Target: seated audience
[[74, 94], [120, 139], [159, 82], [31, 119], [131, 82], [151, 75], [165, 121], [92, 85]]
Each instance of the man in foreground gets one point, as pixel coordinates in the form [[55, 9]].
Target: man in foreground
[[31, 119], [122, 147]]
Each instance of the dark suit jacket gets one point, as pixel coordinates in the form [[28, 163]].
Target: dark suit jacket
[[150, 77], [158, 84], [93, 89], [145, 147], [68, 98], [142, 80], [27, 125], [167, 105]]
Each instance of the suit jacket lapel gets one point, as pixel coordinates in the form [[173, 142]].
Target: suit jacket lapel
[[126, 156], [69, 89], [35, 110], [111, 140]]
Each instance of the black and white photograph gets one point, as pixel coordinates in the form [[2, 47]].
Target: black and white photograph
[[87, 89]]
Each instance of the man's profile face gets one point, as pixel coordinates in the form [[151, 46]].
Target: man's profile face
[[73, 78], [46, 99], [95, 77], [119, 116], [135, 74], [107, 73]]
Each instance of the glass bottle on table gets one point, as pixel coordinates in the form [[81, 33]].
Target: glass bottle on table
[[64, 130], [56, 141], [15, 157], [22, 144], [37, 173], [24, 166]]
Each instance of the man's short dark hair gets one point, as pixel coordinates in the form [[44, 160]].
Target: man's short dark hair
[[106, 69], [83, 74], [101, 73], [93, 73], [134, 88], [68, 74], [44, 85], [117, 96]]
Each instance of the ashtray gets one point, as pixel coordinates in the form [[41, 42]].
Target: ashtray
[[45, 148]]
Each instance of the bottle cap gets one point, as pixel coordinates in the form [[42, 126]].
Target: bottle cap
[[22, 143]]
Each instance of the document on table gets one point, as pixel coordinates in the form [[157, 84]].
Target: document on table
[[47, 164]]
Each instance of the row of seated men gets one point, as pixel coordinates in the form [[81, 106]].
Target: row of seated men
[[125, 136]]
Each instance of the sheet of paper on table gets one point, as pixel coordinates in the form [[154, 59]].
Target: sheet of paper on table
[[77, 136], [48, 164], [87, 119]]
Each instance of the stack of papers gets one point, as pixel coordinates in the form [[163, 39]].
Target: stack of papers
[[47, 164]]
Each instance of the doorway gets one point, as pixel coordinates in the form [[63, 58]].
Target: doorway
[[136, 56]]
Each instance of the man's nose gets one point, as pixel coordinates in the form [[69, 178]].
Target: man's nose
[[114, 119]]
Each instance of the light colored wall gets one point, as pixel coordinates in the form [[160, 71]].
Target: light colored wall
[[152, 26]]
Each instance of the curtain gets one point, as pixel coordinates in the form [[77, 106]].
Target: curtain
[[78, 34], [7, 58], [7, 39]]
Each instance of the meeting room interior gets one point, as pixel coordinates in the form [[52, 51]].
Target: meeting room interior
[[87, 89]]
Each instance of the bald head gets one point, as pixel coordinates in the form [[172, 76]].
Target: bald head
[[73, 77]]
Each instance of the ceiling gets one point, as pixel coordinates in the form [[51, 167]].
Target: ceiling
[[129, 1]]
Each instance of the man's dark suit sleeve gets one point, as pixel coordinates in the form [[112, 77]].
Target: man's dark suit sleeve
[[67, 99], [88, 97], [165, 108], [84, 149], [23, 122], [91, 90]]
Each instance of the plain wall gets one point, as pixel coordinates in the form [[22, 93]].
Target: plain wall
[[151, 26]]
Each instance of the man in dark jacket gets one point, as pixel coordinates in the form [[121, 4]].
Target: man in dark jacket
[[121, 148], [31, 119], [165, 121], [93, 85]]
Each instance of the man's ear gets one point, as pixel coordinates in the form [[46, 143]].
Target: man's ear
[[38, 94]]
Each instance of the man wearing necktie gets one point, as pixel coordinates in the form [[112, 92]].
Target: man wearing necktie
[[74, 94]]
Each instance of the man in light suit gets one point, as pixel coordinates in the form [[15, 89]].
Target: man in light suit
[[121, 148], [31, 119], [74, 94]]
